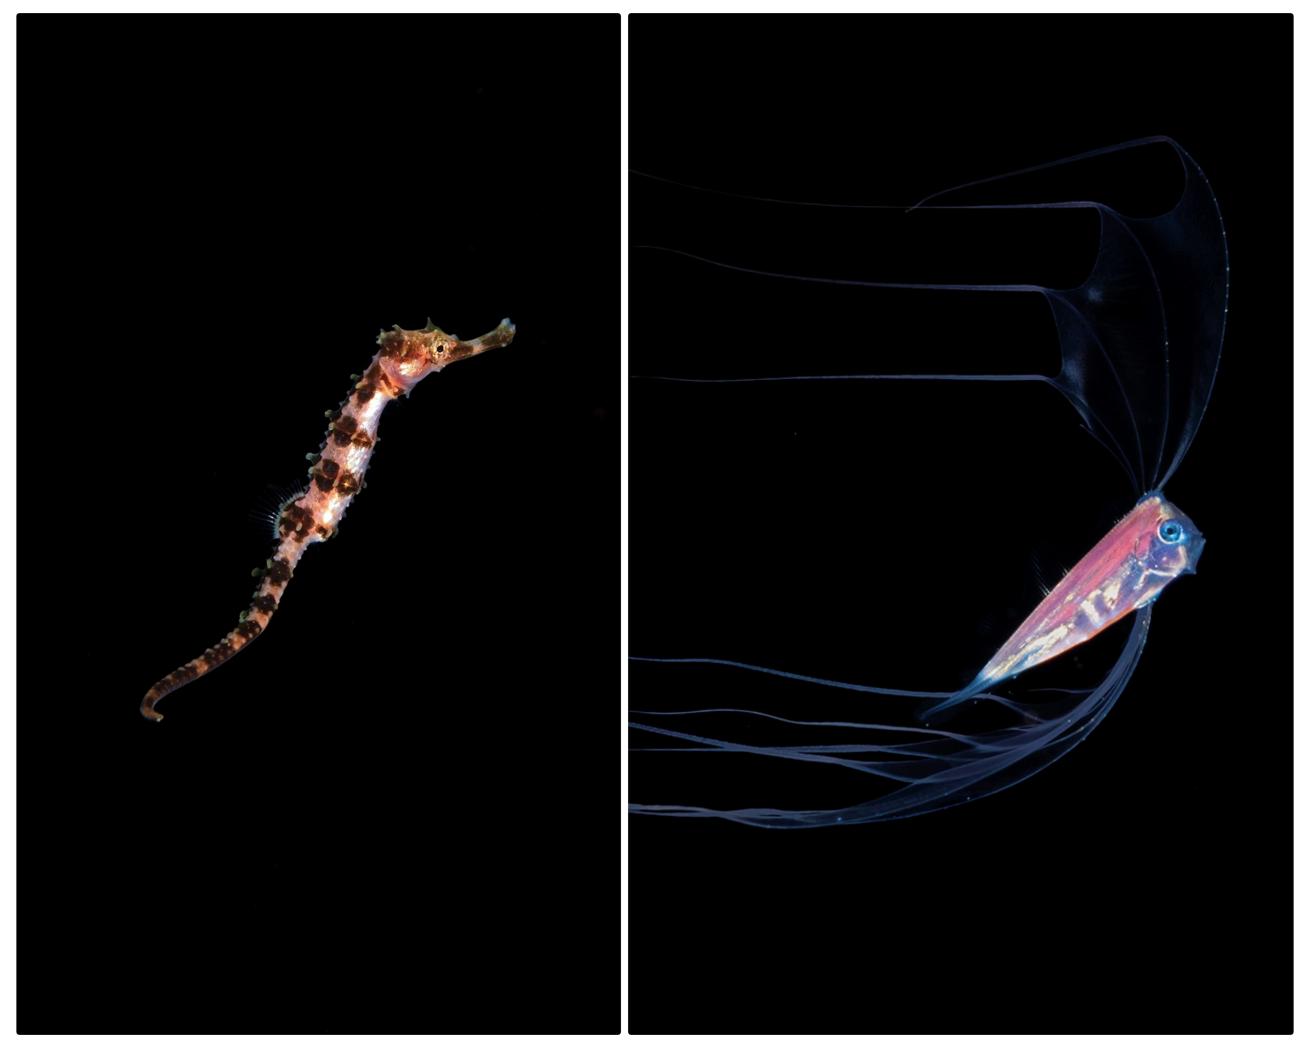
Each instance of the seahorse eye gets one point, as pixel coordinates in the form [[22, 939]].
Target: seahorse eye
[[1171, 531]]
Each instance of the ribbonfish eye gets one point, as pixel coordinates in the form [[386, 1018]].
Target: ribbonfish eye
[[1171, 531]]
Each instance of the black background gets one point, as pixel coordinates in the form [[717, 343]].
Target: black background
[[396, 812], [893, 535]]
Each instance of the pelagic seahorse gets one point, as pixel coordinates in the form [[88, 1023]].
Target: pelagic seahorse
[[336, 474]]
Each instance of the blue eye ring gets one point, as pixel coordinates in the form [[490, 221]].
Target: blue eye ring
[[1170, 531]]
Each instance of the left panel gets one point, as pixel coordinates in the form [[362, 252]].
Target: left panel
[[396, 812]]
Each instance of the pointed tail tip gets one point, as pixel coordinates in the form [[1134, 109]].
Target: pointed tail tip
[[934, 711], [148, 710], [972, 690]]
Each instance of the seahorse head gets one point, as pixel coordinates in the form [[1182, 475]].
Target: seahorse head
[[409, 356]]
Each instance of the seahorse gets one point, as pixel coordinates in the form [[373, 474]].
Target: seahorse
[[336, 475]]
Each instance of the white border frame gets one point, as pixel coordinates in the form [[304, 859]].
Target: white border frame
[[8, 504]]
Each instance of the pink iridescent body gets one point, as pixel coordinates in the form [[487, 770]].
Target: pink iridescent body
[[1126, 570], [336, 476]]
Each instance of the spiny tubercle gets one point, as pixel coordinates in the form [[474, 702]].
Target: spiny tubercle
[[336, 476]]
